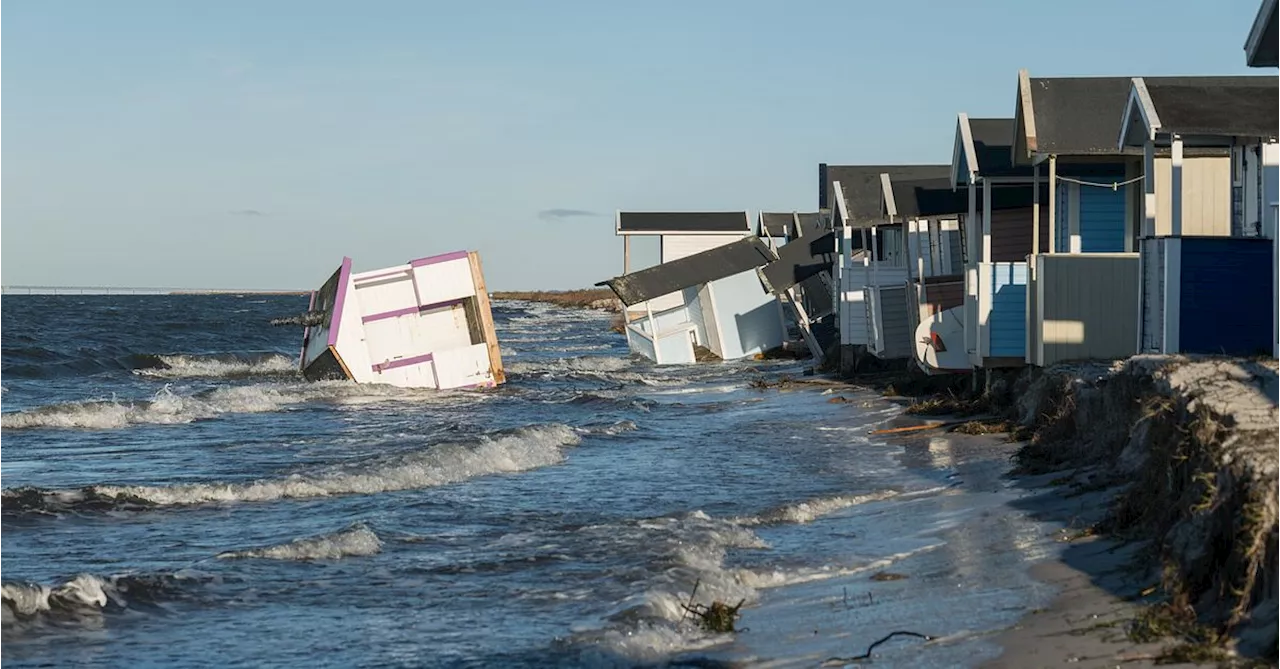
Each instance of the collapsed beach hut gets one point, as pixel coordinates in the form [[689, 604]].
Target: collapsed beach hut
[[716, 306], [1208, 293], [801, 278], [680, 234], [424, 324], [778, 228]]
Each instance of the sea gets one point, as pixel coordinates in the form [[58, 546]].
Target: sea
[[176, 495]]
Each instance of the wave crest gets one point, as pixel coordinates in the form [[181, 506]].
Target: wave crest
[[519, 450], [220, 366], [355, 541]]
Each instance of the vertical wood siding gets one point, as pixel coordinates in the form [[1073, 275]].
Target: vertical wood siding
[[1227, 306]]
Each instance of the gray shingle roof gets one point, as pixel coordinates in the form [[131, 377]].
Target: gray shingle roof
[[861, 186], [992, 141], [1219, 106], [777, 224], [1082, 115], [683, 221], [716, 263], [1078, 115], [928, 197]]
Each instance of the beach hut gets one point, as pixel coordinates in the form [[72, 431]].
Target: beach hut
[[851, 196], [1207, 293], [721, 309], [1260, 47], [801, 278], [917, 275], [423, 324], [1082, 294], [1007, 224], [680, 234]]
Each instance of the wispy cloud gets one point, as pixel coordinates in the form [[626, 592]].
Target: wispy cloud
[[247, 212], [562, 214]]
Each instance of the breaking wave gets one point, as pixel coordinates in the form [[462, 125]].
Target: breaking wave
[[220, 366], [518, 450], [810, 510], [86, 595], [355, 541], [587, 363], [168, 407], [684, 553]]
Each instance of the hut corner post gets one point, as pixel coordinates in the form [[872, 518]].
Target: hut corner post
[[486, 319]]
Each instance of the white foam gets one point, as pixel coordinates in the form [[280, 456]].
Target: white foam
[[26, 600], [587, 363], [196, 366], [523, 449], [653, 622], [355, 541], [810, 510], [168, 407]]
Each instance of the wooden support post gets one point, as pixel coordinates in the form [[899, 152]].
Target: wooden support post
[[1175, 187], [626, 254], [1053, 203], [986, 221], [1035, 211], [1149, 189], [971, 225]]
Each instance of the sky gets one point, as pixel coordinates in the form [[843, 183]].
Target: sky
[[249, 144]]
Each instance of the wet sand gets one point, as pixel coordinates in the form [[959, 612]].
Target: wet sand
[[1099, 584]]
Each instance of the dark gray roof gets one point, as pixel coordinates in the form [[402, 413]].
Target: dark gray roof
[[683, 221], [732, 258], [1078, 115], [861, 186], [778, 224], [992, 142], [1219, 106], [928, 197], [1261, 46], [1082, 115], [800, 259]]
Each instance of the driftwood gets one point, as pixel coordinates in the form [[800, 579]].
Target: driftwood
[[718, 617], [867, 655]]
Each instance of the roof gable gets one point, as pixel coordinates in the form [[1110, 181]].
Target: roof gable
[[1077, 115], [860, 187], [1260, 49], [1202, 110], [779, 224]]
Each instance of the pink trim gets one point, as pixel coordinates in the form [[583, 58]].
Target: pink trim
[[403, 362], [444, 257], [411, 310], [340, 297]]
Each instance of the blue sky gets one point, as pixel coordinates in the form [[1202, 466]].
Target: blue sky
[[253, 144]]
